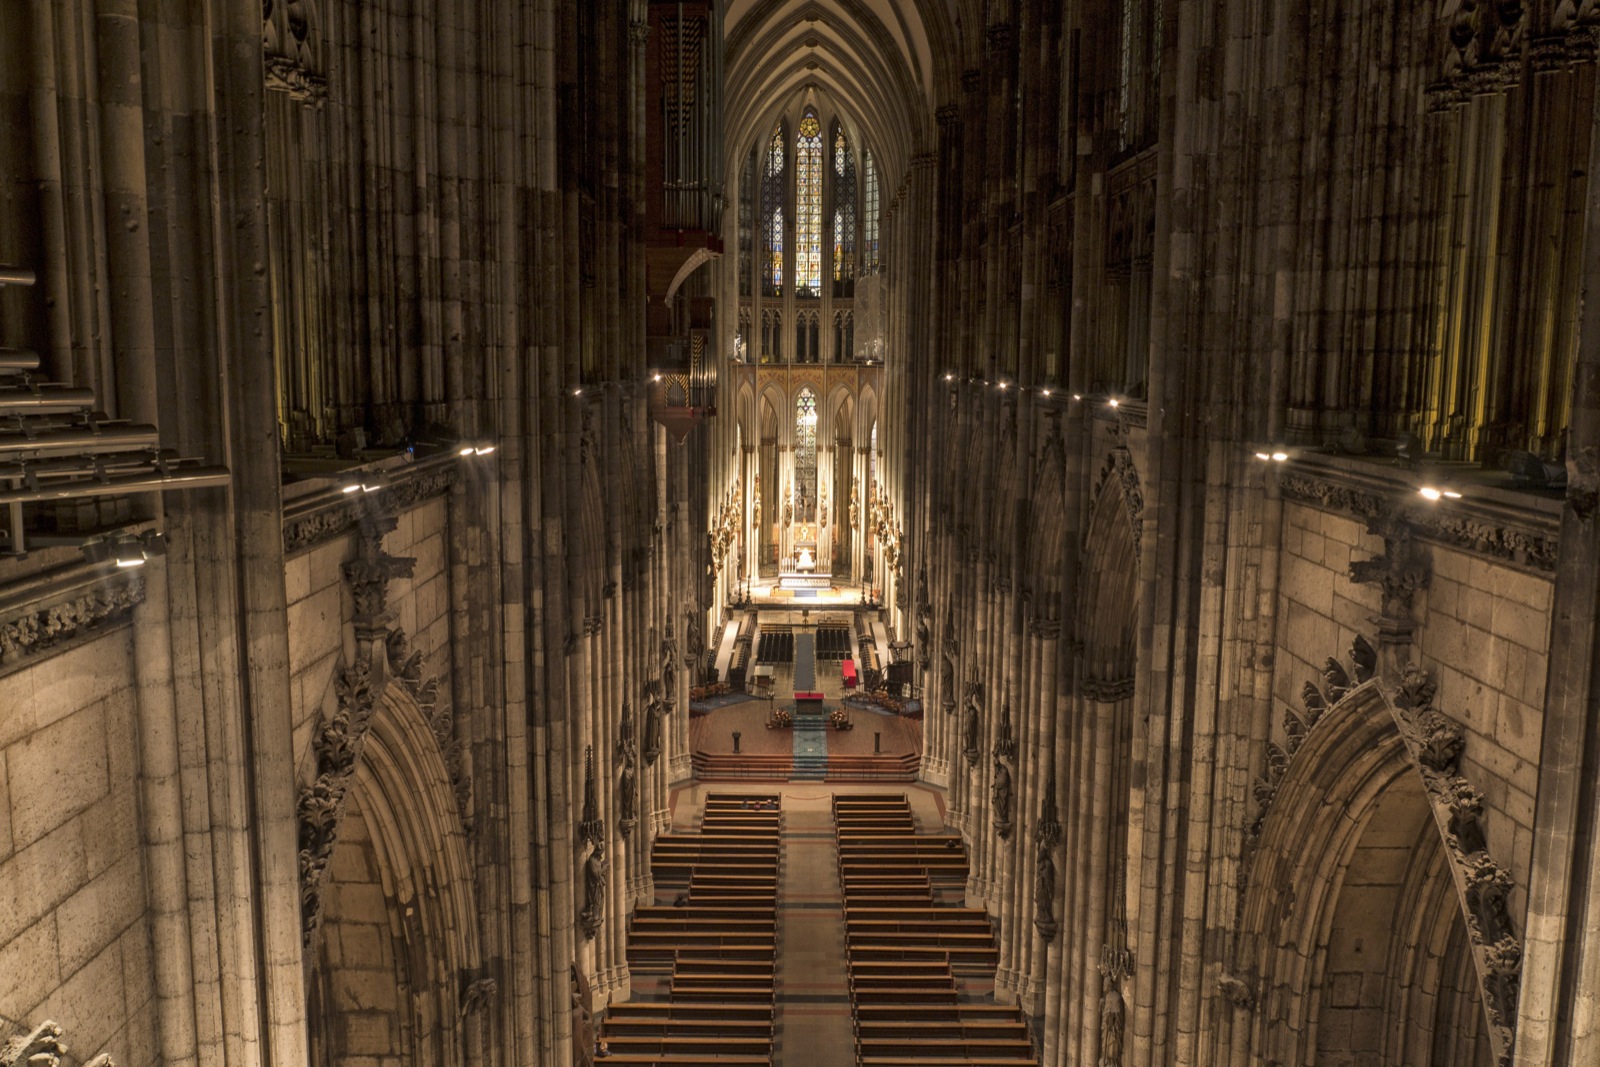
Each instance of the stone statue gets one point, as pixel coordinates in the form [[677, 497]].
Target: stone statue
[[755, 507], [594, 890], [788, 509], [653, 711], [1111, 1025], [1044, 892], [583, 1020], [855, 503], [924, 642], [694, 646], [1000, 795], [627, 797], [669, 673], [970, 730], [652, 734]]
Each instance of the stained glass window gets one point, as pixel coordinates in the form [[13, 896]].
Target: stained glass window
[[808, 207], [772, 213], [844, 214], [747, 222], [805, 456], [869, 220], [872, 464]]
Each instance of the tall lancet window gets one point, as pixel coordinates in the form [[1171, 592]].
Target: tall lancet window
[[808, 207], [772, 213], [844, 215], [869, 217], [805, 456], [747, 222], [872, 463]]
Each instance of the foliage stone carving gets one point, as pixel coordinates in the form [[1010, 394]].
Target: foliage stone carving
[[337, 744]]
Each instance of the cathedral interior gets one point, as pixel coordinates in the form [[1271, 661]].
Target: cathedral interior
[[804, 532]]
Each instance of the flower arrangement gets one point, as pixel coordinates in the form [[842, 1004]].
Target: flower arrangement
[[840, 720], [780, 719]]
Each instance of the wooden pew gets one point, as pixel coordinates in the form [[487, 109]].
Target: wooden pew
[[714, 911], [1007, 1049], [906, 995], [896, 880], [680, 1046], [644, 1059], [897, 968], [954, 1031], [718, 993], [617, 1026], [968, 958], [924, 920], [658, 1009], [911, 1013]]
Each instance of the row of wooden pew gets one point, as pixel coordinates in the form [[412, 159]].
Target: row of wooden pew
[[905, 949], [728, 766], [717, 941]]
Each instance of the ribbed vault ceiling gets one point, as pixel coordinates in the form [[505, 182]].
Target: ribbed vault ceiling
[[885, 64]]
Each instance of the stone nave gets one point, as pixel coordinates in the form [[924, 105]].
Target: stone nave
[[1127, 469]]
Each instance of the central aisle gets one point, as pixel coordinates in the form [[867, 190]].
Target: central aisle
[[813, 1002], [812, 1019]]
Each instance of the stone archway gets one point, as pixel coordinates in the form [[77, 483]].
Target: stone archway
[[1364, 926], [1106, 744], [395, 975]]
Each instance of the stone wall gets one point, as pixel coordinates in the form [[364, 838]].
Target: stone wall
[[74, 940], [319, 611], [1483, 630], [361, 988]]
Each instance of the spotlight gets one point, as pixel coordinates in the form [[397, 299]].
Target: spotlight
[[657, 378], [349, 484], [154, 543], [1111, 403], [483, 449], [1003, 385], [96, 550], [1077, 396], [578, 391], [480, 447], [1434, 494], [949, 377], [372, 482], [466, 450], [1046, 392]]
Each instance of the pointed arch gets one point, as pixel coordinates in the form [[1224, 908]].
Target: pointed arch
[[808, 181], [872, 205], [399, 946], [844, 213], [775, 164], [1342, 795]]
